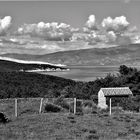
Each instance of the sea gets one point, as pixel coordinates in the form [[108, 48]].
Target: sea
[[85, 73]]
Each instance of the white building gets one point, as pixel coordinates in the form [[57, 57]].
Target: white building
[[111, 92]]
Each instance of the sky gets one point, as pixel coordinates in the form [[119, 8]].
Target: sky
[[92, 22], [74, 13]]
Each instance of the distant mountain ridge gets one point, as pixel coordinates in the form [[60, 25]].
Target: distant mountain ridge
[[126, 54]]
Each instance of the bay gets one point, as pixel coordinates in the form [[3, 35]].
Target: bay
[[85, 73]]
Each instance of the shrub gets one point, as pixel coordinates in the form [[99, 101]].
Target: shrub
[[3, 118], [116, 109], [88, 103], [52, 108], [122, 134], [61, 102], [103, 112], [87, 110], [92, 137], [89, 107], [93, 131], [71, 117], [72, 121]]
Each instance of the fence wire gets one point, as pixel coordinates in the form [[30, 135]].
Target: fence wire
[[31, 106]]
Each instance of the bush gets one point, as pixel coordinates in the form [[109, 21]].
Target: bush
[[92, 137], [103, 112], [117, 110], [61, 102], [89, 107], [87, 103], [3, 118], [52, 108], [87, 110]]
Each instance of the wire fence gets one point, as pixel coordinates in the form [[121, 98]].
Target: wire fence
[[15, 107]]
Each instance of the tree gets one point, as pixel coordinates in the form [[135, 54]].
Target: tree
[[124, 70]]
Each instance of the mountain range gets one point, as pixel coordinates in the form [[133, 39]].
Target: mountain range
[[124, 54]]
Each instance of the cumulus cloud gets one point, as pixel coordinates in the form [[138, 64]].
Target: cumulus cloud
[[111, 36], [91, 21], [118, 30], [5, 24], [132, 29], [48, 31], [109, 31], [90, 24], [118, 24]]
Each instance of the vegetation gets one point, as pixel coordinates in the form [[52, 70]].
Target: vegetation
[[25, 85], [60, 101], [49, 107], [60, 126]]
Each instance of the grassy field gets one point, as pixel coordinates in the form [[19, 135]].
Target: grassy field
[[30, 125], [60, 126], [25, 106]]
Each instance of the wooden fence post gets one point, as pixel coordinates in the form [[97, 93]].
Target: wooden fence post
[[16, 113], [74, 105], [40, 105], [110, 107]]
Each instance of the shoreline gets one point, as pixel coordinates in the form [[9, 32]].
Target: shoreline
[[48, 70]]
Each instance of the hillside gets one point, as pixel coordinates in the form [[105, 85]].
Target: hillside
[[96, 56], [7, 65], [22, 84], [26, 85]]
